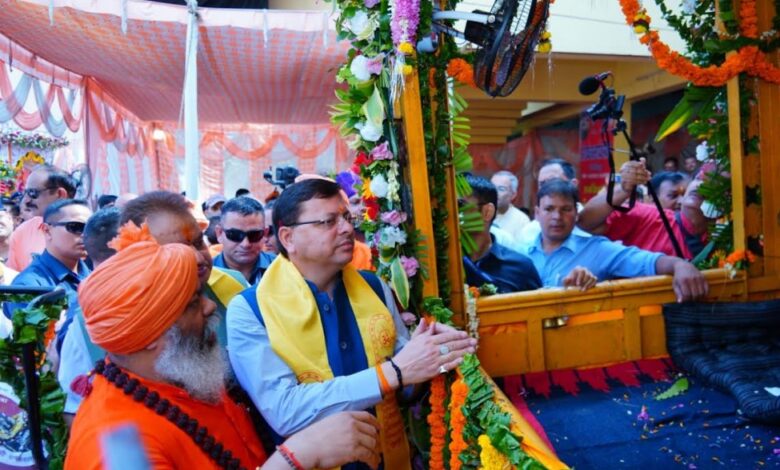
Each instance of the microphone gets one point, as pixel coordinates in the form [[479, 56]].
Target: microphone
[[589, 85]]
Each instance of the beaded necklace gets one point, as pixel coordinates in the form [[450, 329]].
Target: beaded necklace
[[151, 399]]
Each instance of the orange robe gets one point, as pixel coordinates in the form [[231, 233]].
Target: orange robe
[[27, 239], [361, 257], [167, 446]]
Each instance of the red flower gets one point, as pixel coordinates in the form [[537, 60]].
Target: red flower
[[372, 208], [361, 160]]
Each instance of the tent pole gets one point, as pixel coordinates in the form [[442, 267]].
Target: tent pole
[[191, 135]]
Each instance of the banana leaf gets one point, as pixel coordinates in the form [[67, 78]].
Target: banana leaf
[[692, 103]]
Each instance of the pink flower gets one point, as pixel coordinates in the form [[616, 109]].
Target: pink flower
[[374, 65], [382, 152], [410, 265], [643, 415], [706, 170], [393, 218], [370, 3]]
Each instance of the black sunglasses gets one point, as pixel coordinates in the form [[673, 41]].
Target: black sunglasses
[[76, 228], [33, 193], [237, 236]]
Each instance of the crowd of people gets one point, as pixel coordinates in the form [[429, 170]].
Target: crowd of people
[[238, 333]]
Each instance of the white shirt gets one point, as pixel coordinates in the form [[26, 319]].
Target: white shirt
[[512, 221], [531, 232], [74, 361]]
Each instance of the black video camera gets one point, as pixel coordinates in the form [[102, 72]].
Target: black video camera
[[285, 176], [608, 106]]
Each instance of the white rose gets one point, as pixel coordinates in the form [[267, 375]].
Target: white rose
[[702, 152], [359, 68], [362, 25], [368, 131], [379, 186]]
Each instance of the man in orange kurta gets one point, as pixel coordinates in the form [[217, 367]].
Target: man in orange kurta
[[45, 185], [164, 373]]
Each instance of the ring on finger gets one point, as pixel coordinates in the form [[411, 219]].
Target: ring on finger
[[442, 370], [444, 350]]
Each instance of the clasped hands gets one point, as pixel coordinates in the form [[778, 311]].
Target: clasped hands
[[433, 349]]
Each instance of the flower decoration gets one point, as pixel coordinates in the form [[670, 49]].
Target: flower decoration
[[382, 152], [461, 71], [545, 43], [748, 58], [490, 458], [641, 22], [379, 186], [436, 422], [410, 265], [702, 152], [459, 392], [394, 218], [362, 25], [737, 260], [32, 140]]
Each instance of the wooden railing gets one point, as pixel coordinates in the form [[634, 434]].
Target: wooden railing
[[615, 321]]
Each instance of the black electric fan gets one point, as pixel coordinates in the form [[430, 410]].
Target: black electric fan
[[506, 36], [82, 177]]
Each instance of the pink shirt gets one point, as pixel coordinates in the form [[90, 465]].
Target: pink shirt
[[642, 227], [27, 239]]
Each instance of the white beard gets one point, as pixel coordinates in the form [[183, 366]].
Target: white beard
[[195, 364]]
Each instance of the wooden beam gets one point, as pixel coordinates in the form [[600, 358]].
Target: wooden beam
[[486, 122], [495, 105], [768, 108], [550, 116], [475, 139], [492, 114], [485, 131]]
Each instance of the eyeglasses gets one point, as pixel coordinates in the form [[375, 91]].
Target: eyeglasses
[[33, 193], [328, 223], [76, 228], [237, 236]]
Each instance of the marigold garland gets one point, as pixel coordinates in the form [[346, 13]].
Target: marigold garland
[[489, 457], [747, 59], [436, 422], [459, 391], [461, 71]]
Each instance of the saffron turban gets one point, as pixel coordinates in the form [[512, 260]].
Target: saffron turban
[[136, 295]]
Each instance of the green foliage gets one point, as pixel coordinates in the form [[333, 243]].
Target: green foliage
[[694, 100], [679, 387], [30, 326], [705, 109], [436, 308], [484, 416]]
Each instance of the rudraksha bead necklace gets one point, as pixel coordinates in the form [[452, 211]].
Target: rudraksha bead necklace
[[151, 399]]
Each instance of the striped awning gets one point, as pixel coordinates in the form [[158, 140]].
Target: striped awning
[[254, 66]]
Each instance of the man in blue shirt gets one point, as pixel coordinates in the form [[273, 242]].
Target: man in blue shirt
[[241, 232], [492, 262], [557, 251], [79, 354], [61, 263], [309, 300]]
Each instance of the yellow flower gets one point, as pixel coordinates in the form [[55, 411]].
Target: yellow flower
[[544, 47], [408, 69], [367, 188], [406, 48], [489, 457]]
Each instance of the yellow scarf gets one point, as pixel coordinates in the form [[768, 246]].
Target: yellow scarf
[[294, 327], [224, 285]]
